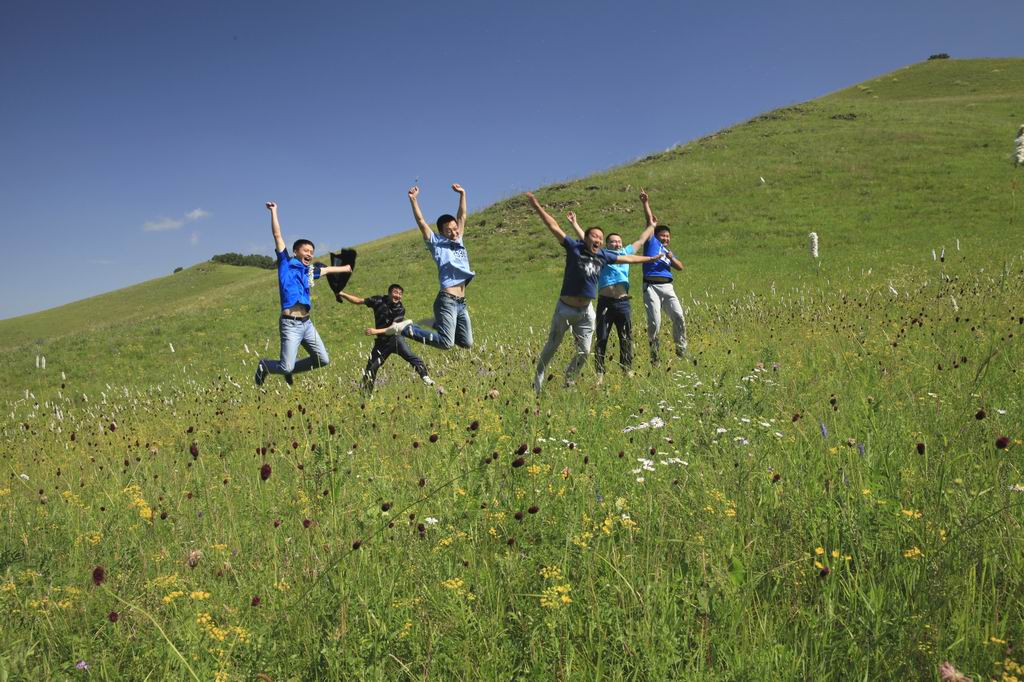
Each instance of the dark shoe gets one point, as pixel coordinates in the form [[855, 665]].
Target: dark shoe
[[261, 373]]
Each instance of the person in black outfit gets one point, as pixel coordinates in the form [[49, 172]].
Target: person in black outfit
[[386, 311]]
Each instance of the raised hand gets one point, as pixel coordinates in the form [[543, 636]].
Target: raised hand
[[571, 215], [414, 192], [271, 206], [643, 195], [456, 187]]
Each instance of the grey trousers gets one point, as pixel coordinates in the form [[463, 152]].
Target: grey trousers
[[656, 298], [581, 321]]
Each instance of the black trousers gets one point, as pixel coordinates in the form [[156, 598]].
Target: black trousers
[[614, 311], [383, 347]]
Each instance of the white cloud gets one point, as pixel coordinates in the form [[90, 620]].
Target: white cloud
[[162, 224], [194, 239]]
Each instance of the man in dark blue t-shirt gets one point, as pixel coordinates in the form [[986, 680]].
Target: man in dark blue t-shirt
[[295, 276], [387, 310], [583, 263]]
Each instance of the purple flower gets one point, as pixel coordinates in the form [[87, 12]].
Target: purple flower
[[824, 430], [82, 665], [860, 448]]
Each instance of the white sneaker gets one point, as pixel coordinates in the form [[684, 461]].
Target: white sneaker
[[427, 380], [397, 328]]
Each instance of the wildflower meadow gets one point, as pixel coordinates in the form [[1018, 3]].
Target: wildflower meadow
[[828, 485]]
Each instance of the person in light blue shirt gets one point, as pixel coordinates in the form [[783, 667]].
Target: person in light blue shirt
[[583, 263], [295, 276], [613, 306], [452, 326]]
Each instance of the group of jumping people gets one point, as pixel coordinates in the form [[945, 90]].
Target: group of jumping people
[[591, 272]]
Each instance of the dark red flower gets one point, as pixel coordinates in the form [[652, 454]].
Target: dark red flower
[[386, 506], [920, 448], [306, 523], [277, 523], [1003, 442], [265, 472], [534, 509], [194, 450], [823, 573], [474, 425], [331, 428], [776, 478], [979, 415], [113, 616], [289, 414], [519, 516], [255, 601], [99, 574], [357, 544], [521, 450], [536, 450], [433, 438], [518, 462]]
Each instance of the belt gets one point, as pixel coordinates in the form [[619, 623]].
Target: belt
[[613, 299], [659, 280], [459, 299], [296, 319]]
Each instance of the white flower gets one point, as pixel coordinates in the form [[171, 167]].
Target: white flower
[[23, 477], [813, 244], [430, 521]]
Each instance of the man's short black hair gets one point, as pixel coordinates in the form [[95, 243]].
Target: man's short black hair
[[302, 242], [662, 228], [395, 286], [591, 229], [613, 234], [444, 220]]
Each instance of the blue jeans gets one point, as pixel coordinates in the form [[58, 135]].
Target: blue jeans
[[451, 324], [293, 334]]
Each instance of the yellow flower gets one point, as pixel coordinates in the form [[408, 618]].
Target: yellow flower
[[835, 553], [556, 596], [200, 596], [171, 596], [551, 572], [911, 513], [818, 551], [913, 553]]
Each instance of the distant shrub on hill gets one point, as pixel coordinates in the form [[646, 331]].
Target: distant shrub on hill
[[178, 269], [253, 259], [941, 55]]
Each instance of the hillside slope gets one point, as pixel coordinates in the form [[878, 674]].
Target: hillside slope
[[885, 171]]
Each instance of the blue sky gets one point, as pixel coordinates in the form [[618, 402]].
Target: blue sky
[[137, 137]]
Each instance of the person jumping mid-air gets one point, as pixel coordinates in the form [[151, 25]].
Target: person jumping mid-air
[[295, 276]]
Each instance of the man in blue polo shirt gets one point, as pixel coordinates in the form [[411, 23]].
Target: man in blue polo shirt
[[613, 295], [659, 293], [295, 275], [583, 263], [452, 326]]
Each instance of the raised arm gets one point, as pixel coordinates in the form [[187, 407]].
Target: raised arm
[[551, 223], [460, 217], [651, 222], [275, 227], [571, 215], [420, 222], [627, 258], [342, 296]]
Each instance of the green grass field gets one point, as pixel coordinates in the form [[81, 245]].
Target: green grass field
[[828, 486]]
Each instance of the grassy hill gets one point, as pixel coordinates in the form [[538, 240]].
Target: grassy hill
[[828, 486]]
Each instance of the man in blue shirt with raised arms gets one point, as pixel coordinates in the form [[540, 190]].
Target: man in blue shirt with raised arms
[[659, 293], [613, 294], [583, 263], [295, 275], [452, 326]]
